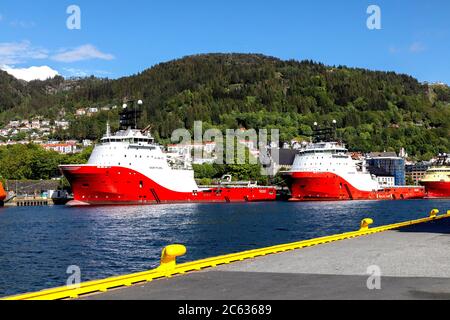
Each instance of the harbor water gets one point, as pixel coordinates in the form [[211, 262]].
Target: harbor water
[[38, 244]]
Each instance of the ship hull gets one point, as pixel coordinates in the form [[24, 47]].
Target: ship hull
[[322, 186], [2, 195], [92, 185], [437, 190]]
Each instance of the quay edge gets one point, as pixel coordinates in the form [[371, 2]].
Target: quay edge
[[258, 263]]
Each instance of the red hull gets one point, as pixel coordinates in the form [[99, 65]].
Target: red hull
[[117, 185], [437, 189], [2, 194], [310, 186]]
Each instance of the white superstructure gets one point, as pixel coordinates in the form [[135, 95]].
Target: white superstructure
[[333, 157], [135, 150]]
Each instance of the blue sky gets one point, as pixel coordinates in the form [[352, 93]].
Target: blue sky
[[119, 38]]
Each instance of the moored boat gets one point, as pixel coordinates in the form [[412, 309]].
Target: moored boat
[[326, 171], [437, 179], [130, 168]]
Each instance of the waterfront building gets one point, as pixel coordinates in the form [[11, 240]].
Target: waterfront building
[[390, 163], [416, 171], [386, 181]]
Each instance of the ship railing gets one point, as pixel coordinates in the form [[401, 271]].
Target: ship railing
[[404, 187], [235, 186]]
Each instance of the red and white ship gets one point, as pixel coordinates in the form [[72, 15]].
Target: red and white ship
[[437, 179], [2, 195], [130, 168], [326, 171]]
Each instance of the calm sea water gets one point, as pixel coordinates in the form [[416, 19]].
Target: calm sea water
[[38, 244]]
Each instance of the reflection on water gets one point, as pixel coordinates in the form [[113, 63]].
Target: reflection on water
[[38, 244]]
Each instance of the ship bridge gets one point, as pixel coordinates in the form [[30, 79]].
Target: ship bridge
[[131, 136], [324, 147]]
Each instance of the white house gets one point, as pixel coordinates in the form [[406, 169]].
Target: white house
[[386, 182]]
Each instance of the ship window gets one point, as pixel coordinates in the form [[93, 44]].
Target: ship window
[[141, 184]]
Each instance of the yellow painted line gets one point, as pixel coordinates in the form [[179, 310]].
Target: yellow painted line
[[169, 267]]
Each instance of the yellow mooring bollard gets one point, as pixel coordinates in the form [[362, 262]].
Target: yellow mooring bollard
[[169, 256], [434, 213], [365, 224]]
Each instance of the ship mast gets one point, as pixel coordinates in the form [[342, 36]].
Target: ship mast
[[129, 115], [108, 129], [324, 134]]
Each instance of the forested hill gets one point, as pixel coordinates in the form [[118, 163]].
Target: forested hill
[[375, 110]]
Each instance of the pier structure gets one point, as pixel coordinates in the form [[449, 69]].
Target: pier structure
[[32, 202], [407, 260]]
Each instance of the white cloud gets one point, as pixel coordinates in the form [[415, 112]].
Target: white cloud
[[32, 73], [85, 52], [417, 47], [16, 53], [394, 49], [19, 52], [22, 24], [12, 53]]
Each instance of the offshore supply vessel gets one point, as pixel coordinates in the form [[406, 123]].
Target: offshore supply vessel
[[128, 167], [437, 179], [324, 170]]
